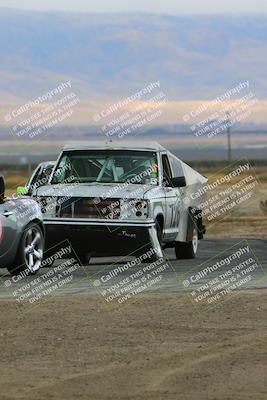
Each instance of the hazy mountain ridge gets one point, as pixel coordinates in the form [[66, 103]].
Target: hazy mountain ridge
[[110, 56]]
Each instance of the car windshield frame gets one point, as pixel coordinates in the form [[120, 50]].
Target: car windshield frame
[[142, 167]]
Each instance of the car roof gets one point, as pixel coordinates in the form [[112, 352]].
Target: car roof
[[45, 164], [117, 145]]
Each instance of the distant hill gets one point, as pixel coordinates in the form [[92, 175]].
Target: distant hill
[[109, 56]]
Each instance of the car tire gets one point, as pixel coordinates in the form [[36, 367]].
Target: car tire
[[188, 250], [159, 231], [30, 252], [83, 258]]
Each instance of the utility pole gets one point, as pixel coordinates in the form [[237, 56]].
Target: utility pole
[[229, 137]]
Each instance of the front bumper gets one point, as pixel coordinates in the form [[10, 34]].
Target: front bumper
[[103, 237]]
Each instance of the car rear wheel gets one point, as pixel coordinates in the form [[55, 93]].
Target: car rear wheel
[[187, 250], [30, 252]]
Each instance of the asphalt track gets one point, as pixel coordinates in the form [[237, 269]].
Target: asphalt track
[[86, 280]]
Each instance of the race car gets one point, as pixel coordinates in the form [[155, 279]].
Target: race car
[[119, 198], [40, 177], [21, 234]]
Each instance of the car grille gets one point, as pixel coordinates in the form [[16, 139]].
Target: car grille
[[90, 208]]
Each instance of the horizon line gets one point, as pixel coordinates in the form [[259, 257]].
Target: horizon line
[[134, 12]]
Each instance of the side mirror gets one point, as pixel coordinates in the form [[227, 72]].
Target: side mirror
[[2, 189], [179, 182], [22, 190]]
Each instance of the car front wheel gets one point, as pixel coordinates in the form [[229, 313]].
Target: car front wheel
[[30, 252], [187, 250]]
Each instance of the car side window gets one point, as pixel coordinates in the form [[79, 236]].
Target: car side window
[[167, 174], [35, 178]]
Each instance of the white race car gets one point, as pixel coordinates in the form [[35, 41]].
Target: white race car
[[119, 198]]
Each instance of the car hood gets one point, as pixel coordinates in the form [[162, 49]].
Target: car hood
[[98, 190]]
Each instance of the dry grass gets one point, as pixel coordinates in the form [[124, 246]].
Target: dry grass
[[248, 220], [14, 179]]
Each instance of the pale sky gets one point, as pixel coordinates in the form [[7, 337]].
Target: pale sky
[[174, 7]]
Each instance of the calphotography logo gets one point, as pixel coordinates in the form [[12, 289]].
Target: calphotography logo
[[215, 280], [37, 117], [120, 283], [134, 113]]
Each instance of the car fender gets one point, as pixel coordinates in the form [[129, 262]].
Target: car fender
[[28, 210], [157, 208]]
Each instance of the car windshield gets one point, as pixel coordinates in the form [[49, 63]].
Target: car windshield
[[107, 166]]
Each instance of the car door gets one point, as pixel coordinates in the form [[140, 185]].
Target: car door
[[8, 228], [172, 200]]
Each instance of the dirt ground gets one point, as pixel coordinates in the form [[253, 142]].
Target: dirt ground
[[157, 348]]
